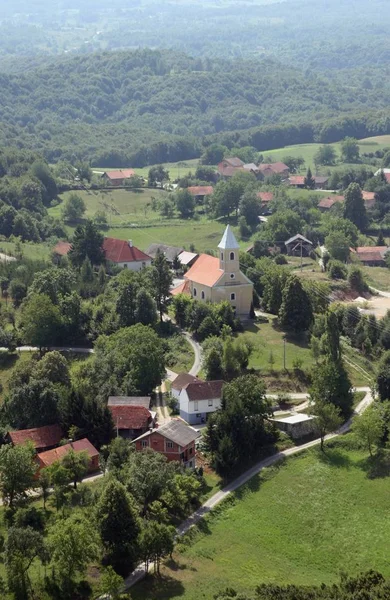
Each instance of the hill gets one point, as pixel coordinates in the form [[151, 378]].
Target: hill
[[146, 106]]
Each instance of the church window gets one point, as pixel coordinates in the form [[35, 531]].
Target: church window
[[221, 255], [232, 296], [231, 255], [202, 295], [232, 276], [194, 292]]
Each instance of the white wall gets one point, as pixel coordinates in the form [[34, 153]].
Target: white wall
[[135, 266], [188, 406]]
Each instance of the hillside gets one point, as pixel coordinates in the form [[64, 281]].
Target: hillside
[[107, 105]]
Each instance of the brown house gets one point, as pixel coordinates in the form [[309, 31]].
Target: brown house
[[229, 166], [371, 256], [298, 245], [298, 181], [117, 178], [277, 168], [174, 439], [45, 459], [131, 421], [43, 438], [199, 192]]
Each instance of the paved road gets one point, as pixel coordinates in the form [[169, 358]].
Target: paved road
[[306, 402], [196, 367], [74, 349], [140, 571]]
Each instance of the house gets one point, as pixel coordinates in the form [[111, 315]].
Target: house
[[298, 181], [386, 173], [129, 401], [298, 246], [199, 192], [297, 426], [170, 252], [371, 256], [369, 199], [213, 279], [187, 259], [326, 204], [198, 399], [229, 166], [125, 255], [117, 178], [43, 438], [265, 198], [119, 252], [46, 459], [175, 440], [131, 421], [182, 380], [277, 168]]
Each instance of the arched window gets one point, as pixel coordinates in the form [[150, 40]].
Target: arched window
[[232, 276], [221, 255], [194, 292], [231, 255], [232, 296], [202, 295]]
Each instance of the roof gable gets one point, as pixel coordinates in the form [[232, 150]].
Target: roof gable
[[130, 417], [120, 174], [119, 251], [41, 437], [205, 271], [184, 379], [204, 390], [51, 456]]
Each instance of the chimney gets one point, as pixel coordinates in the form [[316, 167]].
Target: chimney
[[130, 243]]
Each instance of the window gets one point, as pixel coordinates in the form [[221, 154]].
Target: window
[[231, 255], [232, 276], [143, 265], [191, 450], [232, 296], [196, 406], [169, 444], [190, 464], [221, 255], [202, 295], [210, 402], [194, 292], [125, 265], [144, 443]]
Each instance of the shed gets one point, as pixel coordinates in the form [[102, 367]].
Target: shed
[[298, 245], [296, 426]]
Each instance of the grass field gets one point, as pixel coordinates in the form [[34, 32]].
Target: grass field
[[176, 170], [301, 523], [39, 251], [379, 277]]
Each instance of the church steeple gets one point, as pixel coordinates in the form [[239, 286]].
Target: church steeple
[[228, 252]]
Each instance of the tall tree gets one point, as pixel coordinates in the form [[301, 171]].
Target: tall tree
[[250, 208], [76, 463], [126, 304], [118, 525], [87, 243], [309, 181], [162, 278], [22, 548], [331, 385], [296, 313], [327, 419], [185, 203], [17, 472], [369, 427], [354, 208], [41, 321], [74, 208], [145, 311], [350, 150]]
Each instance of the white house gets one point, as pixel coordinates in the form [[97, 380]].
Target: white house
[[198, 399], [125, 255]]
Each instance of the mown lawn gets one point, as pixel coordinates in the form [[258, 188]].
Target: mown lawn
[[303, 523], [30, 250], [379, 277]]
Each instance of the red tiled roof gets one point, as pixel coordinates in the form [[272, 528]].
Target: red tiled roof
[[368, 195], [205, 271], [184, 379], [387, 177], [51, 456], [372, 249], [330, 201], [265, 196], [62, 248], [130, 417], [201, 190], [229, 171], [204, 390], [125, 174], [233, 161], [370, 256], [276, 167], [118, 251], [296, 180], [183, 288], [41, 437]]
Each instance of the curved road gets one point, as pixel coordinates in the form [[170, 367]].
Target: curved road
[[140, 571], [196, 367]]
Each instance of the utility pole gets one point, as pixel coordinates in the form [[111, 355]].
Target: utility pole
[[284, 352], [301, 256]]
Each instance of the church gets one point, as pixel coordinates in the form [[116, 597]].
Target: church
[[213, 279]]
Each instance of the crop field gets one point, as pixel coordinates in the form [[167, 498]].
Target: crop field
[[301, 523]]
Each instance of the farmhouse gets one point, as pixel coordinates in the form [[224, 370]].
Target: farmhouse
[[174, 439], [129, 401], [131, 421], [43, 438], [197, 400], [326, 204], [45, 459], [298, 245], [369, 199], [118, 252], [199, 192], [277, 168], [229, 166], [371, 256], [298, 181], [170, 252], [213, 279], [265, 198], [117, 178], [187, 259], [386, 174]]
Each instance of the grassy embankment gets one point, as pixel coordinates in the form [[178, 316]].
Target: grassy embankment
[[302, 522]]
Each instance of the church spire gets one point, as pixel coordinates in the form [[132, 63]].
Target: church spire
[[228, 241]]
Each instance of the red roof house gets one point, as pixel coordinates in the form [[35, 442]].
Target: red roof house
[[174, 439], [369, 199], [43, 438], [62, 248], [265, 197], [229, 166], [326, 204], [200, 191], [299, 181], [124, 254], [277, 168], [372, 256], [131, 421], [45, 459], [118, 178]]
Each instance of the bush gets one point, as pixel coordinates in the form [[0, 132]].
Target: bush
[[30, 517], [280, 259], [356, 279], [337, 270]]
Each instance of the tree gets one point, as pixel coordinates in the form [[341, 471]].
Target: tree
[[18, 291], [309, 181], [380, 239], [126, 304], [74, 208], [296, 313], [41, 321], [356, 279], [212, 364], [213, 154], [76, 463], [338, 245], [162, 278], [118, 525], [87, 243], [354, 208], [185, 203], [350, 150], [327, 419], [331, 338], [59, 479], [44, 485], [17, 472], [156, 541], [73, 544], [84, 171], [110, 584], [383, 378], [250, 208], [369, 427], [157, 175], [294, 163], [22, 548], [325, 155], [54, 367], [145, 308], [331, 385]]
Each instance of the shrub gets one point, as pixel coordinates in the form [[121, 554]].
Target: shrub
[[337, 270], [280, 259], [356, 279]]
